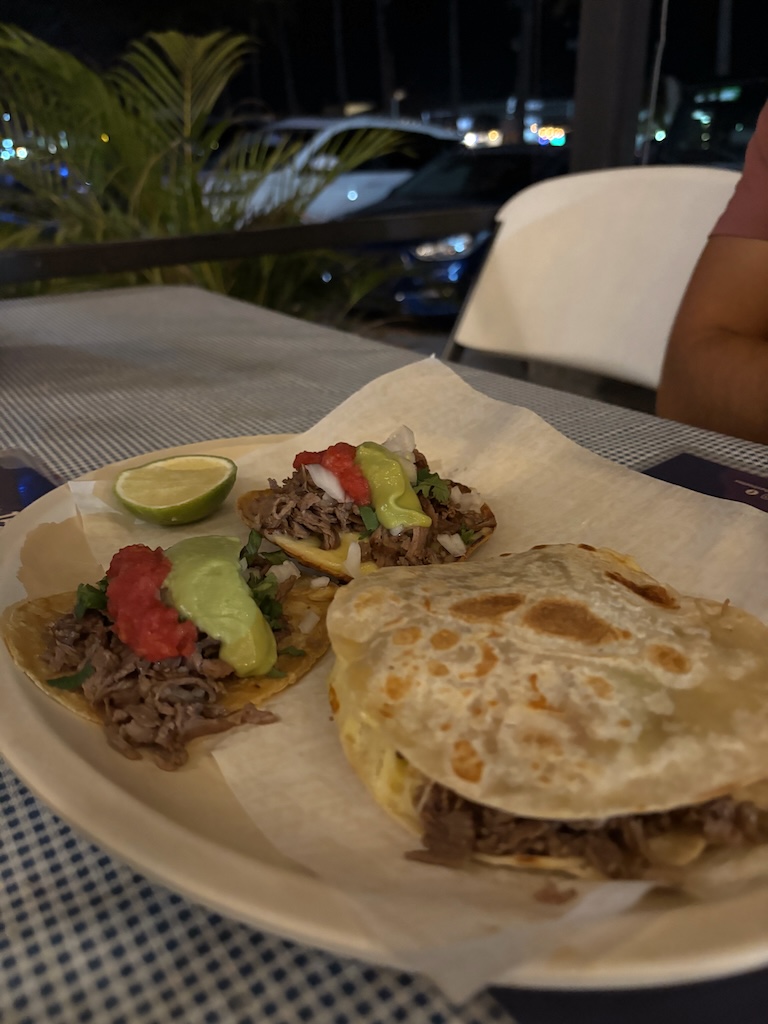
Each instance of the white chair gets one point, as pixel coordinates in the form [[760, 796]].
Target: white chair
[[587, 270]]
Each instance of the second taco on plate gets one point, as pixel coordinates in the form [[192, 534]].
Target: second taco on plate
[[352, 509]]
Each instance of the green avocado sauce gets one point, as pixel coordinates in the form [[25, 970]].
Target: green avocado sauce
[[206, 586], [395, 501]]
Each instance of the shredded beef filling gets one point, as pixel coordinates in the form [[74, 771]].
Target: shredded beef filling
[[159, 706], [455, 828], [300, 509]]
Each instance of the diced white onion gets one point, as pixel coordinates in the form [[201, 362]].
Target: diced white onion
[[452, 543], [408, 466], [469, 502], [243, 563], [319, 581], [327, 481], [284, 571], [401, 444], [267, 545], [402, 440], [353, 559], [397, 530], [309, 622]]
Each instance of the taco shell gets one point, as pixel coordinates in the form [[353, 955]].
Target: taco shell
[[25, 630], [309, 553]]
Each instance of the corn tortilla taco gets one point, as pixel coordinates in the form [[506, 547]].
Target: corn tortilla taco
[[558, 710], [349, 510], [228, 633]]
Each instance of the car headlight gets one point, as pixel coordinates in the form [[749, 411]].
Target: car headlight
[[447, 248]]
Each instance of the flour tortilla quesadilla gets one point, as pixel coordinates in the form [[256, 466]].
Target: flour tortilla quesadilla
[[556, 709]]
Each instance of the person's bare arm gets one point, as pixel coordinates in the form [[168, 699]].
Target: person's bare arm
[[715, 372]]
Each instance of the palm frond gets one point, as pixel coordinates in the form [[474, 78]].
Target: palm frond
[[179, 78]]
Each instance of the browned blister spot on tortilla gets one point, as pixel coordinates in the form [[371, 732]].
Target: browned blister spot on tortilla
[[492, 606], [487, 661], [333, 700], [387, 711], [446, 726], [653, 592], [539, 702], [569, 619], [443, 639], [587, 547], [437, 668], [668, 658], [538, 547], [543, 740], [600, 687], [369, 600], [466, 762], [406, 636], [396, 687]]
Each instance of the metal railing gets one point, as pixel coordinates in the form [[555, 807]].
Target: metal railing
[[44, 262]]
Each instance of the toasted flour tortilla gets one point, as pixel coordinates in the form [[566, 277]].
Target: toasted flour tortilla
[[560, 684], [25, 630]]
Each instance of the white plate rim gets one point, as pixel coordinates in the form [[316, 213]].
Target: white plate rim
[[146, 848]]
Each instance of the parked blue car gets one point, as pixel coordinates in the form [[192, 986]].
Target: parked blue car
[[431, 278]]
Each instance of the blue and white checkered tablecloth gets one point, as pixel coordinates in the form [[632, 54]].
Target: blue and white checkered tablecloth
[[88, 379]]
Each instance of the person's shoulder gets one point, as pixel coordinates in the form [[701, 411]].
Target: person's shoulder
[[746, 215], [760, 138]]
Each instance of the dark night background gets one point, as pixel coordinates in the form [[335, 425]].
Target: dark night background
[[98, 30]]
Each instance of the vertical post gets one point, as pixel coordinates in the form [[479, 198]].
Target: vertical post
[[724, 34], [454, 59], [386, 71], [610, 81], [338, 44], [524, 65]]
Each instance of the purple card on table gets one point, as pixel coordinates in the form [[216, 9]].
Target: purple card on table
[[23, 479], [708, 477]]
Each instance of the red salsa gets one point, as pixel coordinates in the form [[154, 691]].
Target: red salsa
[[339, 459], [151, 628]]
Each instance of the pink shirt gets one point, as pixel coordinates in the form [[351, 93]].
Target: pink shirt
[[746, 215]]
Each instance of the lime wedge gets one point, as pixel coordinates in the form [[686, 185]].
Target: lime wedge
[[177, 490]]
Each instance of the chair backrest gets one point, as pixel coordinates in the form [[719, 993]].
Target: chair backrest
[[587, 270]]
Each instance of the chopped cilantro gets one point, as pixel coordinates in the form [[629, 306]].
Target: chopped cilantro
[[275, 673], [433, 486], [274, 557], [252, 545], [467, 535], [263, 592], [90, 596], [73, 682], [252, 549], [370, 519], [295, 652], [264, 588]]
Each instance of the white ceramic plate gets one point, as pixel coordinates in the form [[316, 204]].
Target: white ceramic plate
[[145, 816]]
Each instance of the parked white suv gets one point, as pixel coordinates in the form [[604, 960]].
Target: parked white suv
[[314, 144]]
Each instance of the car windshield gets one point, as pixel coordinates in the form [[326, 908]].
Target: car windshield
[[272, 140], [469, 174], [279, 138]]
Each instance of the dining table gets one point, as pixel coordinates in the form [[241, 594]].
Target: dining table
[[91, 378]]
